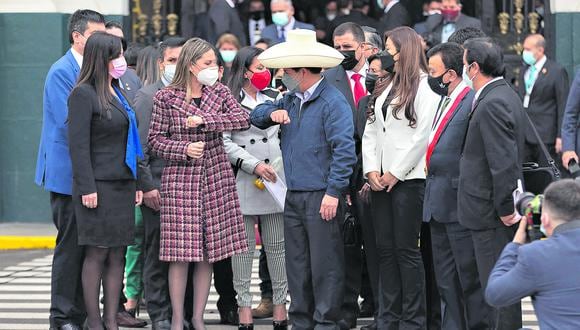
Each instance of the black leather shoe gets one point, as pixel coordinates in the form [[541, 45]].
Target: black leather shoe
[[280, 325], [372, 326], [187, 325], [249, 326], [161, 325], [69, 326], [366, 309], [229, 316]]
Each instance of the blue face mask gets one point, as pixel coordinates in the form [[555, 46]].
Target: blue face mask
[[280, 18], [228, 55], [528, 57]]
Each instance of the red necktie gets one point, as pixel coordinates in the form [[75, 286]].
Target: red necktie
[[359, 91]]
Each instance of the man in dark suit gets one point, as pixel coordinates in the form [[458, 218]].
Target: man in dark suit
[[255, 21], [441, 26], [224, 18], [546, 270], [349, 79], [394, 15], [54, 174], [356, 15], [452, 246], [490, 166], [543, 86], [570, 131], [284, 21]]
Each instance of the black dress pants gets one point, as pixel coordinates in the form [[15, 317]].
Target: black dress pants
[[314, 262], [488, 245], [397, 222], [432, 296], [457, 277], [66, 293]]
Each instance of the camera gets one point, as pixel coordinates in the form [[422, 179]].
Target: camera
[[530, 206]]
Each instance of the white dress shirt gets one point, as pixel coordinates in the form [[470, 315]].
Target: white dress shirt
[[363, 74], [439, 116], [231, 3], [538, 65], [484, 86], [304, 97], [78, 57], [252, 29], [390, 5]]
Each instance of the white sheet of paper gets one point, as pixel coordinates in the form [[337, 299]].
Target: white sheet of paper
[[517, 192], [277, 190]]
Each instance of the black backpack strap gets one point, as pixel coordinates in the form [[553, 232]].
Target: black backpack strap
[[551, 161]]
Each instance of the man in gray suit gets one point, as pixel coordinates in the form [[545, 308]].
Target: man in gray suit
[[452, 245], [284, 21], [441, 26]]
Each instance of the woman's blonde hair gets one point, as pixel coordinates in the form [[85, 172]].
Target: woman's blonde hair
[[228, 38], [192, 51]]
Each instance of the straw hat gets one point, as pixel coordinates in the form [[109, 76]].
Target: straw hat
[[301, 50]]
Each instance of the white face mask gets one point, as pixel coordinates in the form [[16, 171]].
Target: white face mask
[[169, 73], [208, 76], [465, 75]]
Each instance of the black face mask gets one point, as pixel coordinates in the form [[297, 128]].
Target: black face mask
[[257, 15], [371, 81], [438, 86], [350, 60], [387, 62]]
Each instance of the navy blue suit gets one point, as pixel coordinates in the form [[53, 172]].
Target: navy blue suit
[[54, 173], [271, 31], [546, 270], [452, 246], [570, 132]]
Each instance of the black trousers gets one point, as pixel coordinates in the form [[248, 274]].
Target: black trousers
[[457, 277], [488, 245], [66, 293], [155, 271], [432, 296], [397, 222], [352, 279], [314, 262]]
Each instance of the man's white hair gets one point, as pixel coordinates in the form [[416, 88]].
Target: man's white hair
[[289, 2]]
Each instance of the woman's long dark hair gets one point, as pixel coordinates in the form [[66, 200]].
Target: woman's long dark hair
[[240, 65], [408, 71], [147, 65], [100, 49]]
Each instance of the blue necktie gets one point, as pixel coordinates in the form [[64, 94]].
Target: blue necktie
[[133, 148]]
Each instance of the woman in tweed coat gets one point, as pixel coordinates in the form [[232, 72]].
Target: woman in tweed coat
[[201, 220]]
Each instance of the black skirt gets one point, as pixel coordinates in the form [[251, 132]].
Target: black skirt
[[112, 222]]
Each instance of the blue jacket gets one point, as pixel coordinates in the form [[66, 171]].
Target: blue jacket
[[53, 167], [546, 270], [317, 145], [271, 31], [570, 122]]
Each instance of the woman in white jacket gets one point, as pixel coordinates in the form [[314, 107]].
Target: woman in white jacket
[[394, 146], [254, 153]]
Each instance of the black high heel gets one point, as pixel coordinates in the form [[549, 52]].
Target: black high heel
[[280, 325], [246, 326]]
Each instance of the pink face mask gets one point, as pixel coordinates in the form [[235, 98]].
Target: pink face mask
[[119, 67]]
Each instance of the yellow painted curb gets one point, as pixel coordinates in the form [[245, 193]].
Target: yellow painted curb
[[27, 242]]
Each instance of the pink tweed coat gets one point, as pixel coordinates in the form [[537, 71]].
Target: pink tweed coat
[[200, 211]]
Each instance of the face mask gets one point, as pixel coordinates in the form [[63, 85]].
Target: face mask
[[290, 83], [380, 4], [450, 14], [228, 55], [371, 81], [208, 76], [387, 62], [466, 78], [119, 67], [261, 80], [350, 60], [257, 15], [330, 16], [528, 57], [169, 72], [438, 86], [280, 18]]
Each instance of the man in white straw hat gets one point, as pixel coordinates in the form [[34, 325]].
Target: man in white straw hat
[[319, 154]]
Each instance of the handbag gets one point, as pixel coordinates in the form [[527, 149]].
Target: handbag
[[536, 177], [350, 230]]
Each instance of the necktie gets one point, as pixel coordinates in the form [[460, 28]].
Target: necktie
[[531, 79], [359, 91], [281, 36], [133, 148], [257, 32], [442, 105]]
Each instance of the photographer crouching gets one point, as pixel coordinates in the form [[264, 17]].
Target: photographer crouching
[[547, 270]]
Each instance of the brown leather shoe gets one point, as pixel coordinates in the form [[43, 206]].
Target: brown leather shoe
[[125, 320], [265, 309]]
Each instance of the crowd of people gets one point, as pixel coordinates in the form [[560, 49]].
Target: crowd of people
[[375, 162]]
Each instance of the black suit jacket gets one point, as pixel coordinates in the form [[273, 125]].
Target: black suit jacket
[[395, 17], [337, 76], [547, 101], [440, 200], [360, 121], [434, 25], [151, 166], [131, 83], [97, 140], [492, 156], [224, 19]]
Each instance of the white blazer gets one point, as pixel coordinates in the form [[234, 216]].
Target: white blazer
[[390, 145]]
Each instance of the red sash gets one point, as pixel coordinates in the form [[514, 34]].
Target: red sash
[[443, 123]]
